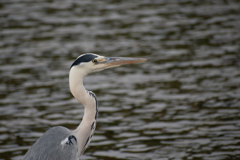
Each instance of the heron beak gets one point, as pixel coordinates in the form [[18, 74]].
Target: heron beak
[[117, 61]]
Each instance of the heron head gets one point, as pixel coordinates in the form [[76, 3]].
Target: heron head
[[89, 63]]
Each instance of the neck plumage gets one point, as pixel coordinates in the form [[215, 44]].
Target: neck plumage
[[84, 131]]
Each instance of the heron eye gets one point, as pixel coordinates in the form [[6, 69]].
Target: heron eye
[[94, 61]]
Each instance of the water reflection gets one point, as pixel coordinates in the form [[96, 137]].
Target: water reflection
[[182, 104]]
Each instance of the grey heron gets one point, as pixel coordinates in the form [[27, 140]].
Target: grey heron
[[60, 143]]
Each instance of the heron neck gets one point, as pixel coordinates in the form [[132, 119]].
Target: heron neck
[[76, 85], [87, 126]]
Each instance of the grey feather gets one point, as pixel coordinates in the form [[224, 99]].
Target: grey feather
[[50, 147]]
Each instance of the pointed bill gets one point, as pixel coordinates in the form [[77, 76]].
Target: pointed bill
[[117, 61]]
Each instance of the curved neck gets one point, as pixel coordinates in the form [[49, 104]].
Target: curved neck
[[76, 85], [86, 128]]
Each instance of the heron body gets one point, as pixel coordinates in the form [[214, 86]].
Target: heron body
[[48, 147], [60, 143]]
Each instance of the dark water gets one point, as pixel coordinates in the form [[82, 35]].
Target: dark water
[[182, 104]]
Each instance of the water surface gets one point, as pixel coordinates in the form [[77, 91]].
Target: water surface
[[182, 104]]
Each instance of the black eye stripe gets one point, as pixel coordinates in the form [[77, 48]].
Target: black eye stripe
[[84, 58]]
